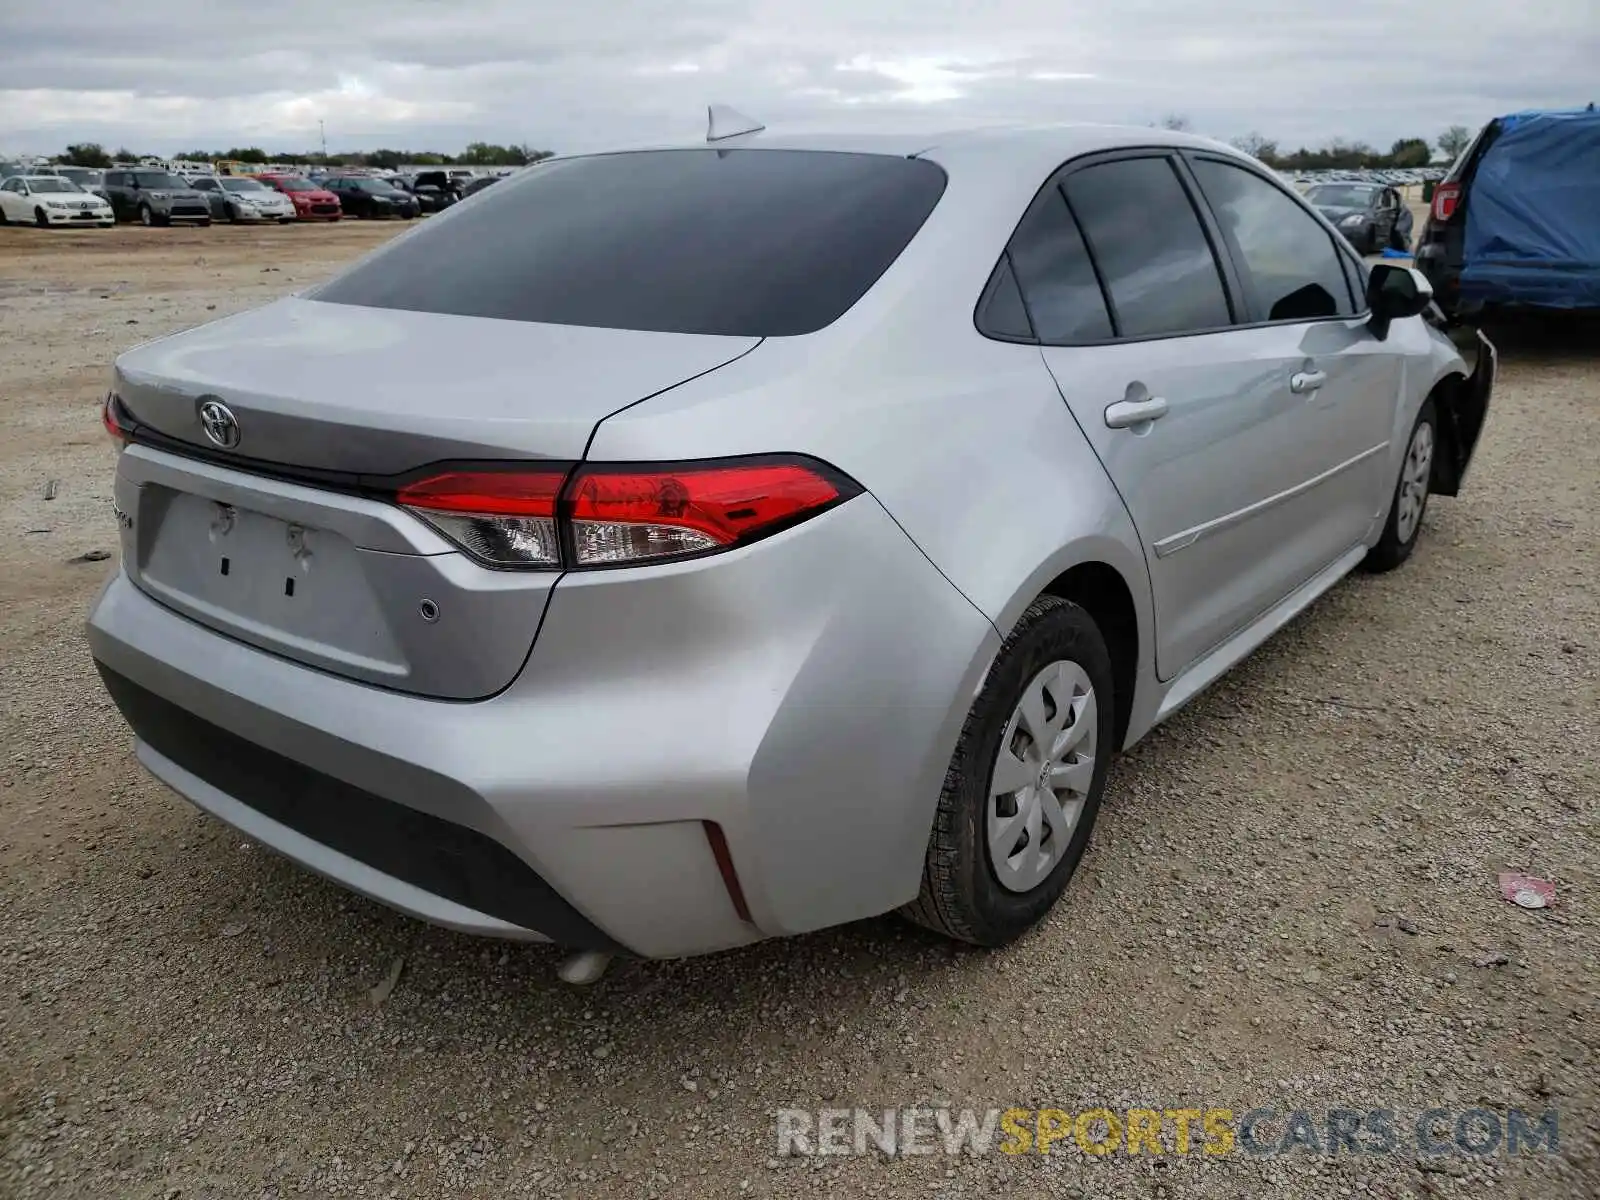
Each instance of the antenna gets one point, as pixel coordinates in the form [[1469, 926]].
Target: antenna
[[723, 122]]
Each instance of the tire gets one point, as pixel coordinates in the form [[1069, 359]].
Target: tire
[[1406, 506], [233, 214], [204, 222], [146, 217], [962, 895], [39, 219]]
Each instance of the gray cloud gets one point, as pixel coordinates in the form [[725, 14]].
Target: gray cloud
[[167, 74]]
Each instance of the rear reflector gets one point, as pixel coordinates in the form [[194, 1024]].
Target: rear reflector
[[616, 515], [1445, 198]]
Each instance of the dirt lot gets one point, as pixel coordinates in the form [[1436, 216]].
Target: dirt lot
[[1290, 899]]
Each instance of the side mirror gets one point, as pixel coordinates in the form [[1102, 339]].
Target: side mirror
[[1393, 293]]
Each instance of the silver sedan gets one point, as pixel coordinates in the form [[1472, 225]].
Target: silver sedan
[[666, 550]]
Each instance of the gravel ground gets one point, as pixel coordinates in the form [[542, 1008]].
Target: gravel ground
[[1290, 899]]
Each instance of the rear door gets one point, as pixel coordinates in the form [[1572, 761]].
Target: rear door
[[1191, 414]]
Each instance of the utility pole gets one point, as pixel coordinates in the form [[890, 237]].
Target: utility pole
[[322, 129]]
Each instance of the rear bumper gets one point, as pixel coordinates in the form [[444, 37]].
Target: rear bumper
[[801, 695]]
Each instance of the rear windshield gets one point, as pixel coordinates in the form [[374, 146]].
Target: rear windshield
[[756, 243]]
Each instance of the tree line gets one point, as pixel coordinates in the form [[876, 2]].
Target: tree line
[[477, 154], [1342, 155]]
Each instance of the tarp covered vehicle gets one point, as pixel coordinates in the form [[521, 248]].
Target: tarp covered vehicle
[[1516, 222]]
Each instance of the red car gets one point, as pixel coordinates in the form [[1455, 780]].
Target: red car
[[311, 203]]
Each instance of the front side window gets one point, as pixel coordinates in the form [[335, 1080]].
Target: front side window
[[1289, 261], [1151, 249]]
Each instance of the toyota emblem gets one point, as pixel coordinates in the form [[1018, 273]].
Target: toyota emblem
[[221, 426]]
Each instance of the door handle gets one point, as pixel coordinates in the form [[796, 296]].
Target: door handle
[[1134, 412], [1302, 382]]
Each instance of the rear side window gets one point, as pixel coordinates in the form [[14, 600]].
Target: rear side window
[[1057, 279], [1150, 247], [1290, 263], [757, 243]]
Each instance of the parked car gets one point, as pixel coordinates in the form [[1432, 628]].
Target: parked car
[[445, 184], [1516, 221], [49, 200], [480, 184], [154, 197], [820, 577], [240, 198], [88, 178], [365, 196], [312, 201], [430, 197], [1371, 215]]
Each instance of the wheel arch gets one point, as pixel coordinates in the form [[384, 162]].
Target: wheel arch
[[1100, 589]]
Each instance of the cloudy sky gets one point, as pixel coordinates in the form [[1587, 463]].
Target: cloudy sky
[[164, 75]]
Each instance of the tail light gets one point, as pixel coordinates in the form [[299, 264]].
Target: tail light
[[503, 518], [111, 416], [1445, 199], [600, 515]]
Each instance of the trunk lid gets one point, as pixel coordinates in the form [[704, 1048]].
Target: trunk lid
[[245, 541], [374, 391]]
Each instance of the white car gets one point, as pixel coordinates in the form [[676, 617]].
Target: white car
[[50, 200]]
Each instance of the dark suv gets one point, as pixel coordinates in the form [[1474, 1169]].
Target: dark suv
[[154, 197], [1515, 223]]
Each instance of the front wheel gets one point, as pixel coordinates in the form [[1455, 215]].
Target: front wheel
[[1023, 788], [146, 217], [204, 222], [1410, 499], [39, 219]]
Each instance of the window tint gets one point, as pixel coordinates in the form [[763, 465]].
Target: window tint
[[1289, 260], [1055, 274], [757, 243], [1000, 313], [1150, 247]]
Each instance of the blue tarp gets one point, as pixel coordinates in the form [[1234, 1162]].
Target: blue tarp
[[1533, 215]]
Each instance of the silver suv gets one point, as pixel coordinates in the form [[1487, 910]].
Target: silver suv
[[671, 549]]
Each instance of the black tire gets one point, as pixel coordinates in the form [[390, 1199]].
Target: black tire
[[146, 217], [1391, 549], [233, 214], [961, 896], [204, 222], [39, 219]]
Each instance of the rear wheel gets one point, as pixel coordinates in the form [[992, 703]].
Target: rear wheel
[[1410, 499], [1023, 788]]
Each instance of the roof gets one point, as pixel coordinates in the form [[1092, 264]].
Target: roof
[[1023, 141]]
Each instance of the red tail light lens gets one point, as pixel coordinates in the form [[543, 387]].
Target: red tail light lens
[[633, 514], [615, 515], [1445, 198], [110, 417], [502, 518]]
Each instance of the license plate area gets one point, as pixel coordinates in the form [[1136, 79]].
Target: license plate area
[[277, 583]]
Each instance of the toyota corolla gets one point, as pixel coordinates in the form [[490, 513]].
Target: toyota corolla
[[671, 549]]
